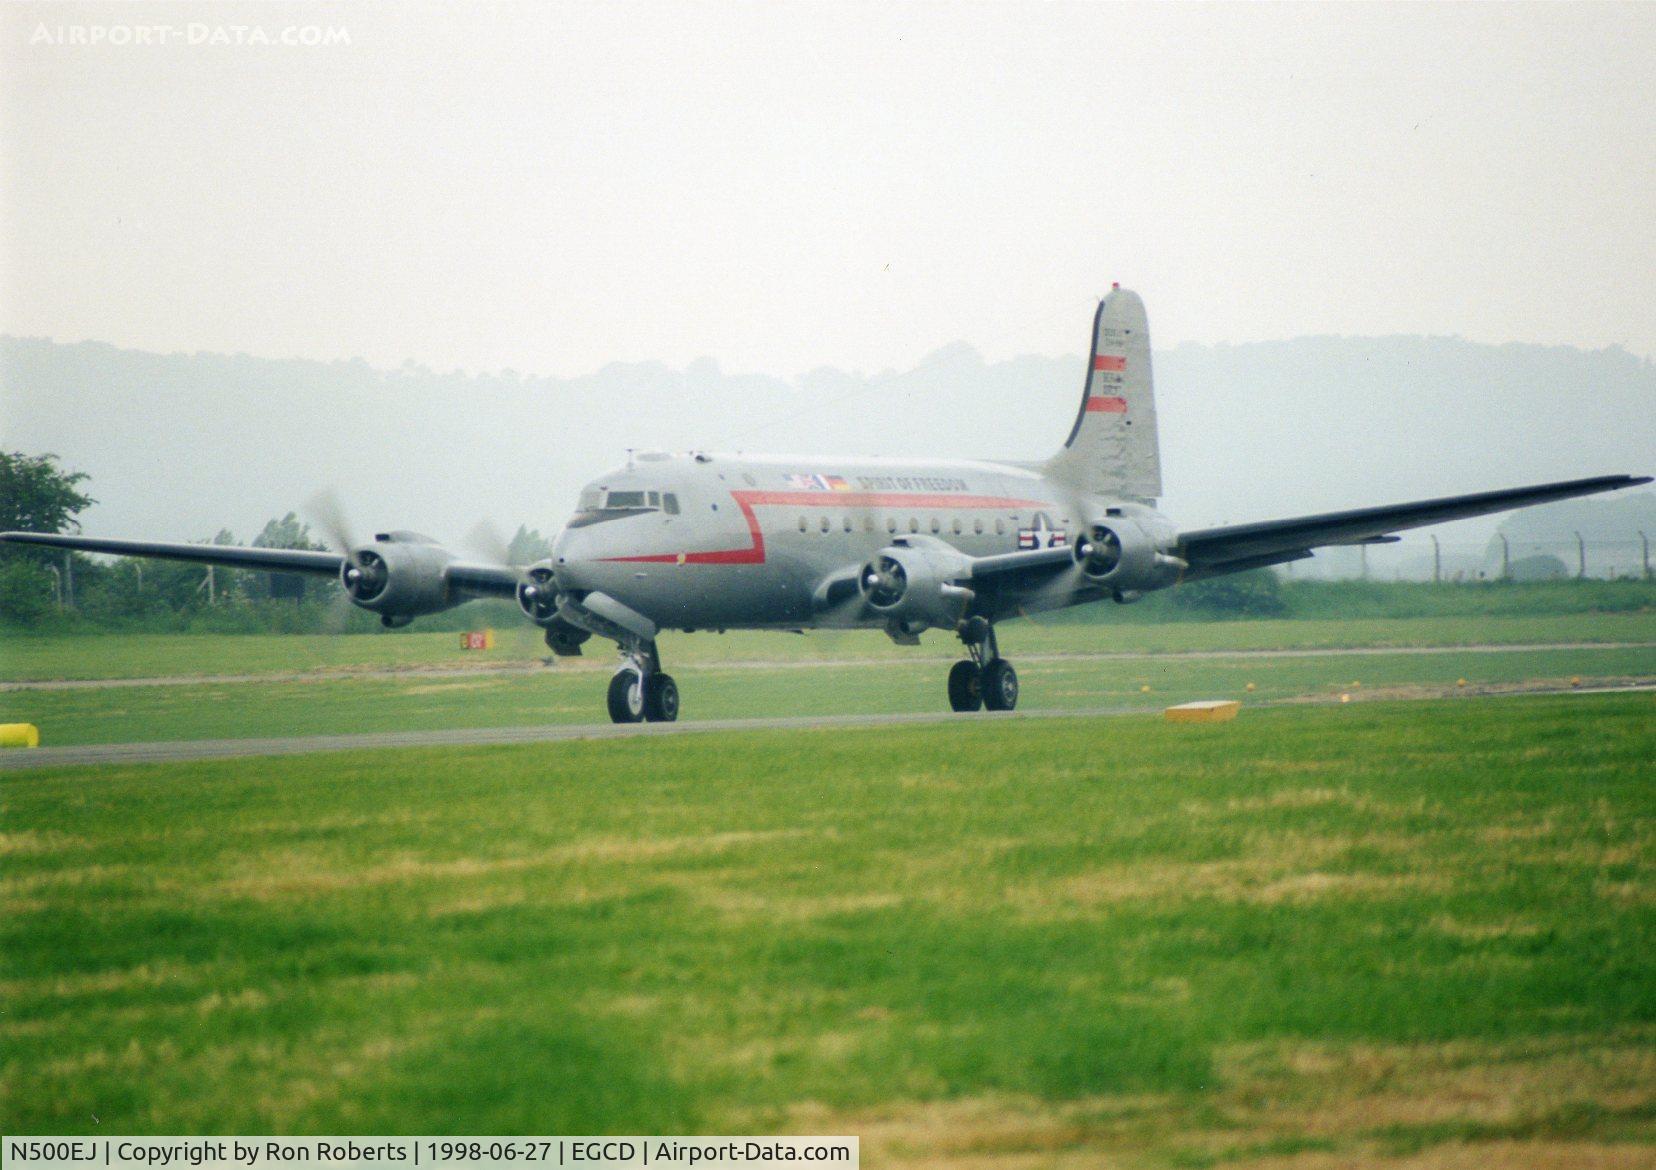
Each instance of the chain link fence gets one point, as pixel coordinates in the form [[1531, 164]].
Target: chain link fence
[[1422, 558]]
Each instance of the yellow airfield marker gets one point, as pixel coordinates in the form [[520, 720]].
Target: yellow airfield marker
[[19, 735], [1460, 682], [1345, 698], [1145, 689], [1250, 687], [1203, 711]]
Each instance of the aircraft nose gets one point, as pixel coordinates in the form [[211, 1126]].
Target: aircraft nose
[[572, 560]]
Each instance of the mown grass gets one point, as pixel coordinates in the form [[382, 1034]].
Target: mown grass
[[1358, 930], [75, 656], [571, 694]]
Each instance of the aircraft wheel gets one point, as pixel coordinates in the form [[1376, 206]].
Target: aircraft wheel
[[1000, 685], [626, 697], [661, 698], [965, 686]]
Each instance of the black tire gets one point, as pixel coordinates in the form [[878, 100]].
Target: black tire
[[965, 686], [661, 698], [1000, 685], [626, 697]]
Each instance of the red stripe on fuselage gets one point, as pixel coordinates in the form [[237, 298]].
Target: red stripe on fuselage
[[1110, 362], [755, 553], [1107, 405]]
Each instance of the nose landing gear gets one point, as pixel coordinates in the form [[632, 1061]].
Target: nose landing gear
[[985, 680], [641, 690]]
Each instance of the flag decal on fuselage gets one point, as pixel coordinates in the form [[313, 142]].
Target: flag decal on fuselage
[[1042, 535]]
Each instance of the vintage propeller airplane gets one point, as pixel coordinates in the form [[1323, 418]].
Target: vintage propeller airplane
[[715, 542]]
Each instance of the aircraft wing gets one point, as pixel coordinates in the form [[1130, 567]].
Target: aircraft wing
[[271, 560], [1022, 561], [483, 580], [1215, 551], [473, 578]]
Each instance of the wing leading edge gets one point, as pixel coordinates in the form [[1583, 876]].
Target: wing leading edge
[[1213, 551], [274, 560]]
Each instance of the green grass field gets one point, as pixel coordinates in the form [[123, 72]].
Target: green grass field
[[90, 656], [1345, 934]]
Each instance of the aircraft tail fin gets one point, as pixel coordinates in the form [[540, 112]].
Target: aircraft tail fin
[[1112, 450]]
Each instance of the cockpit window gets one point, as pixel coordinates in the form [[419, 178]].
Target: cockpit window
[[600, 504]]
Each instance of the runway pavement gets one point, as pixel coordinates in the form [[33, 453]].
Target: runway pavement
[[218, 749]]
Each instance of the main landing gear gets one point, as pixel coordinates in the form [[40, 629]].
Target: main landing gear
[[641, 690], [985, 679]]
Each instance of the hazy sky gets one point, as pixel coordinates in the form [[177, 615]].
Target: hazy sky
[[551, 187]]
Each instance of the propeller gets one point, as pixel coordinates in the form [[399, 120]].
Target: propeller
[[884, 581], [325, 511], [537, 588], [846, 615], [487, 542], [364, 576], [1099, 549], [537, 593], [1092, 545]]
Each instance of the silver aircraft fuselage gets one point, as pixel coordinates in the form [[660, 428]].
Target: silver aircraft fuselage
[[753, 537]]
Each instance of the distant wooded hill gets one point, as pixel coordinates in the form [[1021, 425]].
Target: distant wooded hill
[[183, 445]]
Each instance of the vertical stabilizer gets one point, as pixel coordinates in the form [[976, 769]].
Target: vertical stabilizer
[[1112, 449]]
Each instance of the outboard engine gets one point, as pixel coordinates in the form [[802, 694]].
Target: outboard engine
[[400, 577], [1122, 556]]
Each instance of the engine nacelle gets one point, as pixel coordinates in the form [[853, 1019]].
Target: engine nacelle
[[913, 584], [400, 577], [1120, 555]]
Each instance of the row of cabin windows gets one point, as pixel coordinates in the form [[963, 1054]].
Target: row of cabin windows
[[826, 524]]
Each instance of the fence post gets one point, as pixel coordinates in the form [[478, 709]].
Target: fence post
[[57, 586], [1437, 562], [1645, 541], [69, 579], [1581, 558], [1506, 558]]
